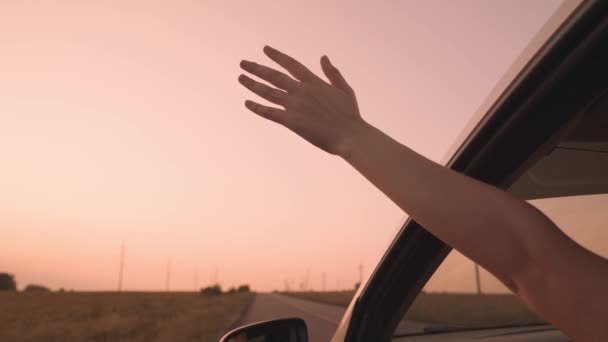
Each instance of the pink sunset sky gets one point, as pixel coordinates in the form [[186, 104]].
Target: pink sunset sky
[[124, 121]]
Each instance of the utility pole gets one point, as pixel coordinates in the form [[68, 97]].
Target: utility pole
[[360, 274], [122, 265], [477, 279], [168, 276], [215, 277]]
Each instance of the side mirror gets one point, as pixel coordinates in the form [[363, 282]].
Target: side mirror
[[279, 330]]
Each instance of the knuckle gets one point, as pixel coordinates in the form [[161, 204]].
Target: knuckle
[[274, 96], [271, 95], [258, 89], [263, 91], [295, 103], [278, 118], [297, 87], [264, 111], [274, 78], [301, 104], [260, 72], [272, 115], [306, 89]]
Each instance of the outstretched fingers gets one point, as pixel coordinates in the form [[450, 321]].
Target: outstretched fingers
[[334, 76], [274, 114], [274, 77], [295, 68], [271, 94]]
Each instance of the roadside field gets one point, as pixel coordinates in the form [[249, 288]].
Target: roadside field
[[111, 316], [450, 309]]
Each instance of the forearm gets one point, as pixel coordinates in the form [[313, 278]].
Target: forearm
[[509, 237], [483, 222]]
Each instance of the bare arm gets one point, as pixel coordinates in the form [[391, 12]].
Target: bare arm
[[562, 281]]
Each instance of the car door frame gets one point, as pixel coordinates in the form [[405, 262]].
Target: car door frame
[[563, 76]]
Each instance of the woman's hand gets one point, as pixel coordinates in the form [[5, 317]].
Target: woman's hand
[[327, 115]]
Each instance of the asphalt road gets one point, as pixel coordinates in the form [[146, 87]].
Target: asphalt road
[[321, 319]]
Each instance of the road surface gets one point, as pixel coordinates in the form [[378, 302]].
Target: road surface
[[321, 319]]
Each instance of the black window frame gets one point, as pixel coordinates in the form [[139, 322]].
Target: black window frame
[[564, 76]]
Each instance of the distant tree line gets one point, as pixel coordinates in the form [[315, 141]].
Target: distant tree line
[[216, 290], [8, 283], [36, 288]]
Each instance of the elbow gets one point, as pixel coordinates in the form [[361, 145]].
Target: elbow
[[534, 243], [539, 242]]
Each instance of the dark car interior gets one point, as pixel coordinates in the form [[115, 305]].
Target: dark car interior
[[545, 136], [578, 164]]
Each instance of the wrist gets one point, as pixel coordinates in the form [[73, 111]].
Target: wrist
[[355, 136]]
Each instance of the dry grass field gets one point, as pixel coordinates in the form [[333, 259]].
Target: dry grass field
[[81, 316], [450, 309]]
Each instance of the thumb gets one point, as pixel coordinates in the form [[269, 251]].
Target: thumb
[[334, 76]]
